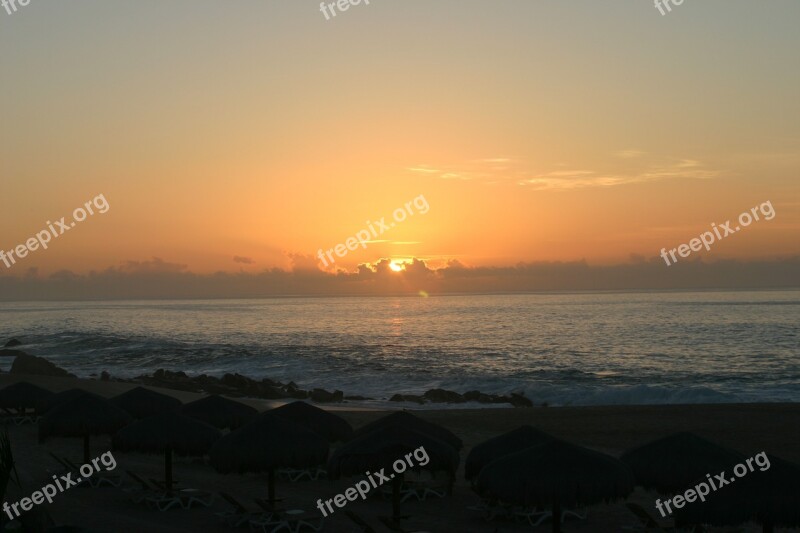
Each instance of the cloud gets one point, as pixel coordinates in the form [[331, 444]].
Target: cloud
[[243, 260], [499, 170], [154, 265], [630, 154], [303, 263], [579, 179], [378, 279]]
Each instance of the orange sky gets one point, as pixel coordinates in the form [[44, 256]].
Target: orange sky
[[535, 131]]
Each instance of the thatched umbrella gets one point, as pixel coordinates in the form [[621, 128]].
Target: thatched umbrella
[[22, 396], [556, 474], [219, 412], [60, 398], [385, 446], [266, 444], [514, 441], [167, 433], [406, 420], [333, 428], [83, 416], [770, 497], [143, 403], [670, 464]]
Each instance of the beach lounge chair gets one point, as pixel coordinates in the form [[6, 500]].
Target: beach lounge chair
[[296, 474], [192, 497], [492, 510], [420, 486], [146, 492], [239, 515], [18, 417], [648, 523], [292, 520], [531, 515], [184, 498], [416, 492], [156, 495], [98, 479], [535, 516]]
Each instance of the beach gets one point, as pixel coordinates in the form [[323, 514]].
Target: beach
[[749, 428]]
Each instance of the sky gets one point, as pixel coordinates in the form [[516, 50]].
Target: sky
[[246, 139]]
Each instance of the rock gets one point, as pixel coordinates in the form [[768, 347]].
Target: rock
[[238, 381], [30, 364], [323, 396], [268, 392], [478, 396], [293, 392], [12, 343], [170, 376], [267, 381], [443, 396], [518, 400], [472, 395], [4, 352], [357, 398], [407, 398]]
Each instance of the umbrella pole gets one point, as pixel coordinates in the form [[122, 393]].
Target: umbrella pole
[[86, 449], [168, 470], [556, 517], [397, 484], [271, 486]]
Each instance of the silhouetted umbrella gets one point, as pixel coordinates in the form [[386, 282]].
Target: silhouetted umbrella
[[385, 446], [514, 441], [60, 398], [266, 444], [219, 412], [167, 433], [408, 421], [143, 403], [331, 427], [22, 396], [670, 464], [770, 497], [83, 416], [556, 474]]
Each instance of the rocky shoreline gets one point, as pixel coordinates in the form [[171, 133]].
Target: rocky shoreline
[[237, 385]]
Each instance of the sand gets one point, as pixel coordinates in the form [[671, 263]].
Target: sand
[[749, 428]]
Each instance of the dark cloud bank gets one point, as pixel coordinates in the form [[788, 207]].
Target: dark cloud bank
[[158, 279]]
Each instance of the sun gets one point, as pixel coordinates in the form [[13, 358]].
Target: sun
[[397, 267]]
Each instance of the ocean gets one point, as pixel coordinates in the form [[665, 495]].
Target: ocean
[[563, 349]]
